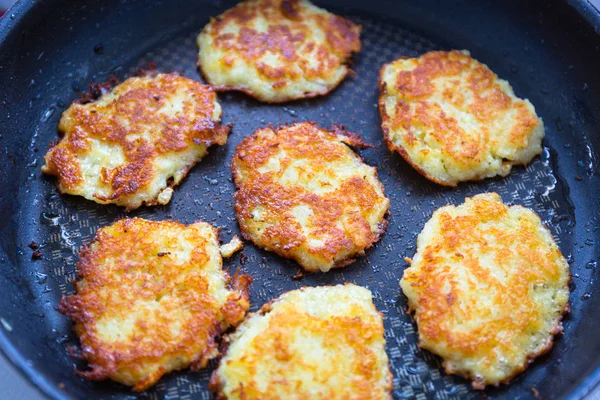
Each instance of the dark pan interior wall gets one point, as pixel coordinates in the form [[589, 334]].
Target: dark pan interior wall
[[51, 50]]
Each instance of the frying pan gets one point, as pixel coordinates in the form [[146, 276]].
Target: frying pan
[[50, 50]]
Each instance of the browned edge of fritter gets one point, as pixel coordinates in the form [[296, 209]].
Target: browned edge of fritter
[[478, 384], [558, 330], [70, 307], [215, 385], [248, 92], [352, 140], [99, 89]]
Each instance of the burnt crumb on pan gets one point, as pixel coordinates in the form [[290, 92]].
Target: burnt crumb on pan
[[33, 245], [36, 255], [535, 393], [99, 49], [243, 258], [148, 69], [298, 275], [97, 90]]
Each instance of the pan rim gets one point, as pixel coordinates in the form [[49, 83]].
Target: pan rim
[[8, 351], [36, 380]]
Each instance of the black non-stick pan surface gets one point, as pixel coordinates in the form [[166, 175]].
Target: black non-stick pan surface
[[51, 50]]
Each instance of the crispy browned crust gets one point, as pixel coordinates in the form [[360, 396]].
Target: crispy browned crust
[[349, 138], [558, 330], [416, 86], [135, 108], [362, 327], [478, 384], [123, 265], [283, 235], [288, 32], [437, 307]]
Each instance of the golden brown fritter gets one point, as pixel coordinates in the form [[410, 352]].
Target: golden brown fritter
[[277, 50], [152, 299], [314, 343], [130, 146], [454, 120], [304, 194], [488, 287]]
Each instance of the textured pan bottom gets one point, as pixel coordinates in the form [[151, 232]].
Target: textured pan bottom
[[206, 194]]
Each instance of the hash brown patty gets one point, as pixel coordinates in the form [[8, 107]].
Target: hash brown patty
[[152, 298], [313, 343], [304, 194], [454, 120], [277, 50], [132, 144], [488, 287]]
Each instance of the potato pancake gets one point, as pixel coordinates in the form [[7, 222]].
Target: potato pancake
[[454, 120], [488, 287], [313, 343], [304, 194], [152, 298], [277, 50], [134, 143]]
